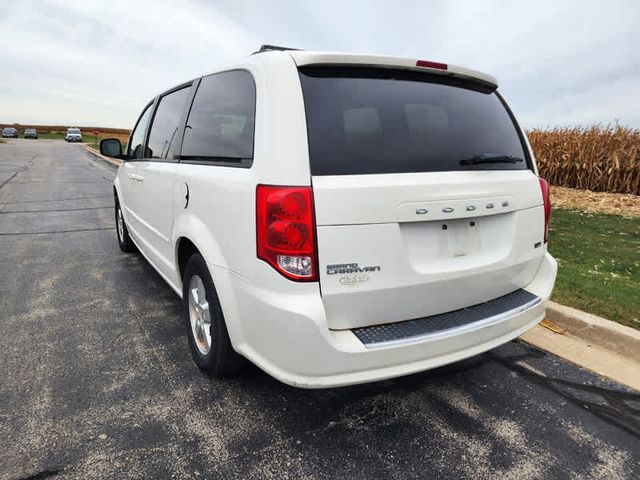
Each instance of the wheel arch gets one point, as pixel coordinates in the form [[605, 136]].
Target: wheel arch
[[185, 248], [191, 235], [117, 188]]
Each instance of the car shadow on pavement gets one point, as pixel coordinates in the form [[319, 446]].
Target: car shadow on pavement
[[616, 406]]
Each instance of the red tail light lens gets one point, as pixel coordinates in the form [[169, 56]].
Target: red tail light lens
[[430, 64], [544, 186], [286, 230]]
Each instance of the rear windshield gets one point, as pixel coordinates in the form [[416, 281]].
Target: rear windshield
[[366, 121]]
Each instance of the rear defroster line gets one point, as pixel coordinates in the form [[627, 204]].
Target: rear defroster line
[[17, 234]]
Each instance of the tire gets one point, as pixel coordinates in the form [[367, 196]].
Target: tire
[[124, 240], [202, 313]]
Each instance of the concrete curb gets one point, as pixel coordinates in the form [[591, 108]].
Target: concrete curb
[[624, 341], [112, 161]]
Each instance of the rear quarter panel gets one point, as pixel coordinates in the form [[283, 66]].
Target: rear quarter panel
[[220, 218]]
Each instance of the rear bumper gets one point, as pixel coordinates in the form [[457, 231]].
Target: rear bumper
[[287, 335]]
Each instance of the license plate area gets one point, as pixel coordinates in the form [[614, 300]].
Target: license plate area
[[458, 244], [462, 236]]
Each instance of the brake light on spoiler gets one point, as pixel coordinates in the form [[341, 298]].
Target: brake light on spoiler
[[430, 64]]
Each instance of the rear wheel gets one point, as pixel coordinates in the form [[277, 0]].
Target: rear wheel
[[124, 240], [203, 318]]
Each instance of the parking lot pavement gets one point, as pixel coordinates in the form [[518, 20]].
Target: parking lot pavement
[[97, 380]]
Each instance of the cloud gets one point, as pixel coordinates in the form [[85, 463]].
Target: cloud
[[100, 62], [82, 62]]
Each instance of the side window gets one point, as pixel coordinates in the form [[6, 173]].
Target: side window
[[165, 123], [137, 137], [222, 117]]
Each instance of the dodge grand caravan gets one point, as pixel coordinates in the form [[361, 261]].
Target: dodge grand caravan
[[338, 219]]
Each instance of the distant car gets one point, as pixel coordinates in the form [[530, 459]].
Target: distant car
[[73, 135], [9, 132], [31, 133]]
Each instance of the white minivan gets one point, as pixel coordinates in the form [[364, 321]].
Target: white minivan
[[73, 135], [338, 219]]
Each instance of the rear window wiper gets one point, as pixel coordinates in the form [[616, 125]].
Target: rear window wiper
[[490, 158]]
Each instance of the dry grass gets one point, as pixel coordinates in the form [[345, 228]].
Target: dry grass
[[89, 137], [596, 202], [596, 158]]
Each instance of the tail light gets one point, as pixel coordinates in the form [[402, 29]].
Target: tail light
[[286, 231], [544, 186]]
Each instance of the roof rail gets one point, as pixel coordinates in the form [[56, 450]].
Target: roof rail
[[271, 48]]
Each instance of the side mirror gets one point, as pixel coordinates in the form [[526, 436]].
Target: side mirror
[[111, 147]]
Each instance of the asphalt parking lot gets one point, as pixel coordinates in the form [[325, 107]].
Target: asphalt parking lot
[[97, 380]]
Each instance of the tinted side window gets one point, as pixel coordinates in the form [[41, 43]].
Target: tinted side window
[[165, 123], [137, 137], [221, 121]]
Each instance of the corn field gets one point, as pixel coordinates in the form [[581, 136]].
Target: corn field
[[597, 158]]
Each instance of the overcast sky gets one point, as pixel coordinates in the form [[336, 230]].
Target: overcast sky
[[98, 62]]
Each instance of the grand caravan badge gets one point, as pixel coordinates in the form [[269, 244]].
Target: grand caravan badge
[[352, 273], [350, 268]]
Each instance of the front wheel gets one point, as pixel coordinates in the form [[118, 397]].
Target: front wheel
[[124, 240], [209, 340]]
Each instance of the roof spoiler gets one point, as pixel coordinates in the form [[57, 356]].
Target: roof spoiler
[[382, 61]]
